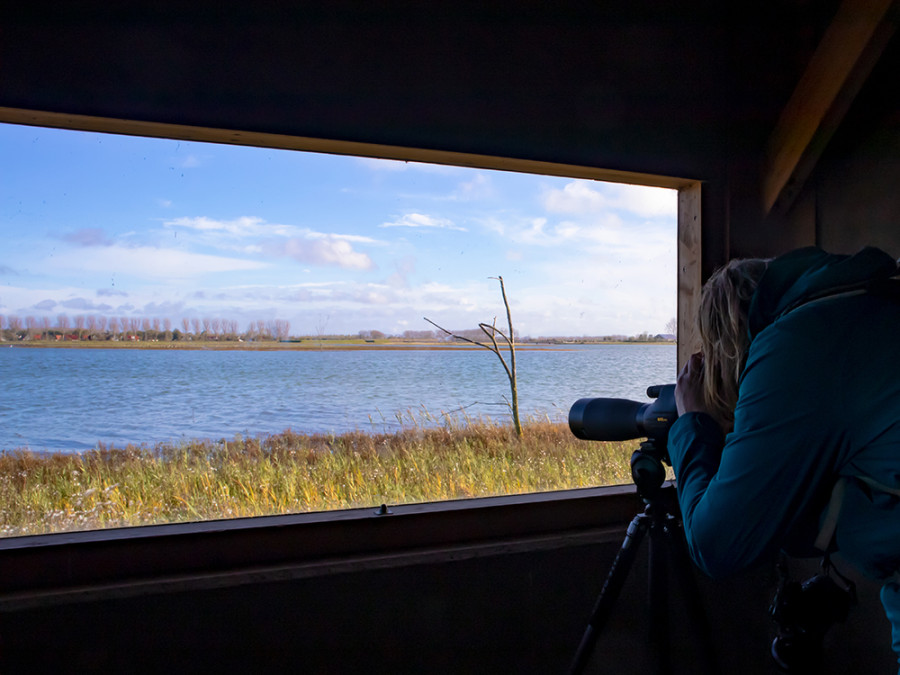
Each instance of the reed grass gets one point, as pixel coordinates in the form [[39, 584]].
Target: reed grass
[[291, 472]]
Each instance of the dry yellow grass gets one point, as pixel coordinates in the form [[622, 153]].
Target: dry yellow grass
[[290, 473]]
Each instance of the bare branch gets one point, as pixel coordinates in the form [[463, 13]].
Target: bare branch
[[491, 331], [458, 337]]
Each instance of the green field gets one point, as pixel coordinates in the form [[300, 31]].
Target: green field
[[291, 473]]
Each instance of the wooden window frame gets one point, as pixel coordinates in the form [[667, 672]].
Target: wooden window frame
[[78, 566]]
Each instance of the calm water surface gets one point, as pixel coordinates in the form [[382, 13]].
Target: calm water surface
[[69, 399]]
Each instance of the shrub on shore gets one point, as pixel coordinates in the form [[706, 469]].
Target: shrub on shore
[[291, 473]]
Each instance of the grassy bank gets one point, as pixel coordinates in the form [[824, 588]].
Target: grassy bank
[[289, 473]]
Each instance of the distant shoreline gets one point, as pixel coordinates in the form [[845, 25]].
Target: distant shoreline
[[305, 344]]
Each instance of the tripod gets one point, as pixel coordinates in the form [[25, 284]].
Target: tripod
[[649, 475]]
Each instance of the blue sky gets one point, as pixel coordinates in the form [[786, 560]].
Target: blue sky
[[138, 227]]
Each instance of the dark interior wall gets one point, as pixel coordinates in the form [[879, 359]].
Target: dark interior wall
[[851, 199], [855, 185], [638, 86], [518, 612], [744, 230]]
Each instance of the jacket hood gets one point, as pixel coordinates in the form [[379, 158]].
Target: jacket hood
[[810, 273]]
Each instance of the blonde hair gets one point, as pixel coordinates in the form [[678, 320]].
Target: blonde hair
[[724, 307]]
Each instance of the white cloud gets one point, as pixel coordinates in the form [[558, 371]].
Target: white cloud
[[324, 250], [356, 238], [52, 301], [644, 201], [417, 220], [581, 197], [253, 227], [606, 228], [148, 262], [576, 197], [299, 243], [480, 187], [190, 162], [610, 289], [592, 295], [245, 226], [251, 235]]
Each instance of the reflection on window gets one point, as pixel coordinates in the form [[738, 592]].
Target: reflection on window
[[197, 331]]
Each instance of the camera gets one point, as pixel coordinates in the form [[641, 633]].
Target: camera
[[803, 612], [620, 419]]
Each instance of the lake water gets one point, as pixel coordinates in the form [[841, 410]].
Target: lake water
[[69, 399]]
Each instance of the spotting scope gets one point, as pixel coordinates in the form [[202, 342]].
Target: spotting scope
[[620, 419]]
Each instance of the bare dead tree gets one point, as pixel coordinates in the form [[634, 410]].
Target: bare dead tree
[[492, 332]]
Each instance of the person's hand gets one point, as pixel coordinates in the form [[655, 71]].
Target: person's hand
[[689, 386]]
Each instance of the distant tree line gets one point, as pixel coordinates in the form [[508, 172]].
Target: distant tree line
[[123, 328], [475, 333]]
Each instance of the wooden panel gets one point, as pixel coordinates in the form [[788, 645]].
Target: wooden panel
[[118, 562], [336, 147], [633, 86], [689, 279], [841, 63]]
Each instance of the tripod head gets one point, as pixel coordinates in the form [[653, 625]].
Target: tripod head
[[647, 470]]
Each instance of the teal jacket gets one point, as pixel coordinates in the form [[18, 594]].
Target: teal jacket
[[819, 399]]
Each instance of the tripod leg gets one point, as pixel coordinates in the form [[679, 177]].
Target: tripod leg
[[691, 591], [657, 597], [610, 590]]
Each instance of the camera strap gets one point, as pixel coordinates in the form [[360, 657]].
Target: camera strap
[[879, 487], [833, 510], [832, 513]]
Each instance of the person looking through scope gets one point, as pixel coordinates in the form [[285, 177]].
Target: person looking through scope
[[796, 390]]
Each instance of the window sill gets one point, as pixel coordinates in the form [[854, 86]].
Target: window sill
[[76, 566]]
